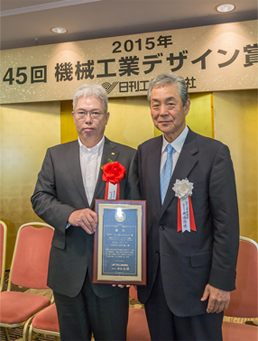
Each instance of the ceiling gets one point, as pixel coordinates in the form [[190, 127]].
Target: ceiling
[[25, 23]]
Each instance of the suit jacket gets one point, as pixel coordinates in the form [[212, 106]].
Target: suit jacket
[[190, 260], [59, 191]]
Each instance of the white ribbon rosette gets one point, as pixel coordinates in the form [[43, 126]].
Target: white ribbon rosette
[[183, 188], [185, 218]]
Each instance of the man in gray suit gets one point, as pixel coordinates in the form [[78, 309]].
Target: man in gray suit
[[68, 184], [192, 229]]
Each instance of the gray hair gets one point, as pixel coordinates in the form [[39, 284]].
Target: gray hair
[[95, 90], [171, 79]]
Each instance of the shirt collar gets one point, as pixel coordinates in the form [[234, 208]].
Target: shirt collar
[[97, 150], [178, 143]]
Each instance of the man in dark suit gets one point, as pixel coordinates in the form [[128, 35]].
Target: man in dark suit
[[68, 183], [192, 238]]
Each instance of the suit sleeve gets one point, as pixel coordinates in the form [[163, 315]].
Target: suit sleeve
[[224, 209], [132, 188], [44, 199]]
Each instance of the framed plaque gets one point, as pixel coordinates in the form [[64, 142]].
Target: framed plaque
[[120, 242]]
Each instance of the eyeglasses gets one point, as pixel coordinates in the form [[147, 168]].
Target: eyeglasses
[[93, 114]]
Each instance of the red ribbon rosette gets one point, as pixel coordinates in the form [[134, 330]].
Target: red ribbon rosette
[[113, 172]]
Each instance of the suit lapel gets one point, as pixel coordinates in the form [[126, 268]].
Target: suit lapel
[[185, 164], [109, 152], [74, 167]]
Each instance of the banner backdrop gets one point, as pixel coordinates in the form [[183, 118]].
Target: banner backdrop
[[210, 58]]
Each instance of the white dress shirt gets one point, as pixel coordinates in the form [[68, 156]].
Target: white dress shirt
[[90, 159], [177, 144]]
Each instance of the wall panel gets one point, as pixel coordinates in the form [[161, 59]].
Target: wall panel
[[26, 131], [235, 123]]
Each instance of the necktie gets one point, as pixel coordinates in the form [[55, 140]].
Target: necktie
[[166, 173]]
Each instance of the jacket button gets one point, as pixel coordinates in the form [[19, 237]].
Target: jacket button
[[157, 253], [161, 228]]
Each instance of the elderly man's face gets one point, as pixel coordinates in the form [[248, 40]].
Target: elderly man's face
[[90, 120], [167, 111]]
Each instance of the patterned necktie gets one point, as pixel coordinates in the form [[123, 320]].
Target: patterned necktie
[[166, 173]]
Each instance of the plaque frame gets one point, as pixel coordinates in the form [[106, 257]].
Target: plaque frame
[[138, 278]]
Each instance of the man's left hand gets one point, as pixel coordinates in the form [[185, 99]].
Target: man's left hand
[[218, 299], [121, 286]]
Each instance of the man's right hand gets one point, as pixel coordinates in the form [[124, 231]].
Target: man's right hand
[[85, 218]]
